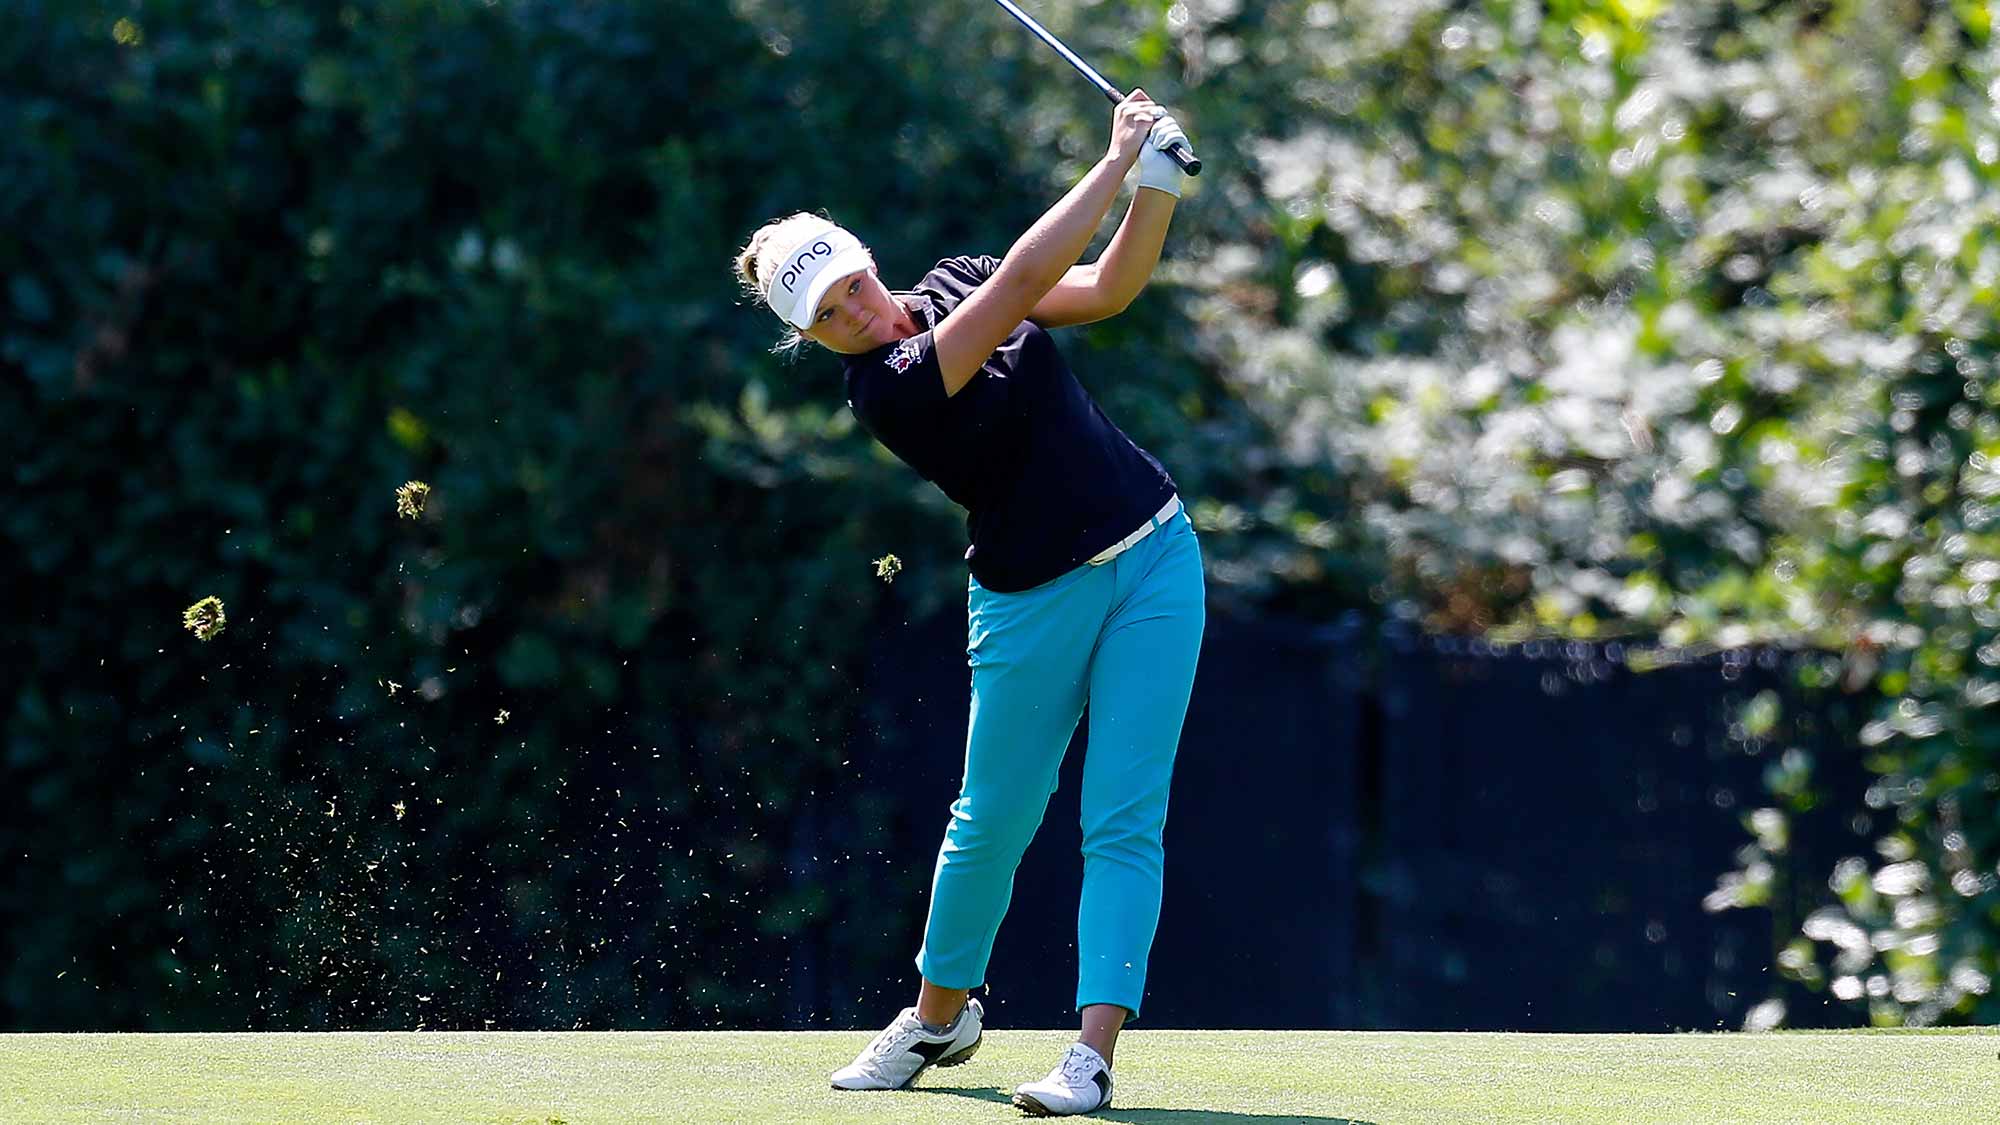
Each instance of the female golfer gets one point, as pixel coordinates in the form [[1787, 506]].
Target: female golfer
[[1086, 581]]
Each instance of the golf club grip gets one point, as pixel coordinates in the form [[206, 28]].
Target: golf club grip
[[1182, 154], [1185, 157]]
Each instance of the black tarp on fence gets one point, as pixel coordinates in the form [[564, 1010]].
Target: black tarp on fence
[[1372, 828]]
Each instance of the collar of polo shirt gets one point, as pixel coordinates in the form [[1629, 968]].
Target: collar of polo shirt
[[824, 257]]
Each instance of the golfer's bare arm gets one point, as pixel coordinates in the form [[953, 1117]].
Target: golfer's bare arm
[[1034, 265], [1040, 258], [1105, 287]]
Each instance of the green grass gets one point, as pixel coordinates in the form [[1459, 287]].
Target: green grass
[[1226, 1077]]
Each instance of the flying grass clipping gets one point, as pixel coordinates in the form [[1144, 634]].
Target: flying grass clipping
[[204, 618], [411, 498]]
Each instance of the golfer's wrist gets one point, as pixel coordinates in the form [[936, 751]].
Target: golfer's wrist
[[1160, 173]]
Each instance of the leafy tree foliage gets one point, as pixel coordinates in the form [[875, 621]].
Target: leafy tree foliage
[[1613, 318]]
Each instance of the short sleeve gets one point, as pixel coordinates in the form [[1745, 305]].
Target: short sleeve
[[953, 279]]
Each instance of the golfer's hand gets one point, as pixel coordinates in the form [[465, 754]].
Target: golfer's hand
[[1131, 122]]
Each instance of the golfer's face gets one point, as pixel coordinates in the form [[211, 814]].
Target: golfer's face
[[856, 315]]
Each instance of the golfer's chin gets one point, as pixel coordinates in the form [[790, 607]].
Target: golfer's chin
[[877, 333], [840, 347]]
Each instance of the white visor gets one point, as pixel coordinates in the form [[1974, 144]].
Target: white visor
[[808, 272]]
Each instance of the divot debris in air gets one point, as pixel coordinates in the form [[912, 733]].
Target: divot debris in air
[[204, 618], [411, 497]]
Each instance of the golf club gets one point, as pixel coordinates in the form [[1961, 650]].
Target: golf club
[[1182, 154]]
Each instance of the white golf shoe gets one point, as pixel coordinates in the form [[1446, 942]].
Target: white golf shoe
[[1080, 1083], [904, 1050]]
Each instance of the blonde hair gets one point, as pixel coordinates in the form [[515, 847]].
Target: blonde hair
[[770, 246]]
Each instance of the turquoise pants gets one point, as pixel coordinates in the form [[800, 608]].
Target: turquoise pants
[[1123, 637]]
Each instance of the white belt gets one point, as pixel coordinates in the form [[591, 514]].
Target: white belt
[[1159, 520]]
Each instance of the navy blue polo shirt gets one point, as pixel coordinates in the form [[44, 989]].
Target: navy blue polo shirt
[[1044, 477]]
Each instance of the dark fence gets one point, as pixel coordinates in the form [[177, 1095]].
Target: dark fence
[[1372, 828]]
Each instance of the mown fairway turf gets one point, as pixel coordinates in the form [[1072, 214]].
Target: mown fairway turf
[[1223, 1077]]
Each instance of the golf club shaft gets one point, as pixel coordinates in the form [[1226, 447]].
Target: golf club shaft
[[1181, 153]]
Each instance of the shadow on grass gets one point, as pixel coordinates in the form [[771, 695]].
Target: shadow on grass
[[1158, 1116]]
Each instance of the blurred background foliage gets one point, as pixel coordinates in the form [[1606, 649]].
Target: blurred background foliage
[[1628, 319]]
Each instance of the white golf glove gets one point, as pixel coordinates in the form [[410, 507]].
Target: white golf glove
[[1157, 170]]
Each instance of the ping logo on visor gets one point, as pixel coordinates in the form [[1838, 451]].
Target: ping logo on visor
[[808, 272], [789, 280]]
